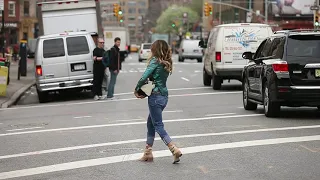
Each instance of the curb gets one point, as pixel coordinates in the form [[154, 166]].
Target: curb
[[17, 95]]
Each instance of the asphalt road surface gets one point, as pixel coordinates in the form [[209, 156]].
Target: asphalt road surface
[[73, 137]]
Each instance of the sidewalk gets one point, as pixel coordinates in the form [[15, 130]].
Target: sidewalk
[[16, 88]]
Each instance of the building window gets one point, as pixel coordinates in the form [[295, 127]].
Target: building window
[[142, 11], [26, 6], [12, 9], [142, 3], [132, 10], [132, 3], [132, 18]]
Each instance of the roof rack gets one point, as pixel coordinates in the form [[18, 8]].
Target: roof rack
[[297, 30]]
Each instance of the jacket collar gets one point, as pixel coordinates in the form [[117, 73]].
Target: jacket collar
[[117, 48]]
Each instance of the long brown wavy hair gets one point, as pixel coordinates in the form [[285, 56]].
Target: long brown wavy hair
[[161, 50]]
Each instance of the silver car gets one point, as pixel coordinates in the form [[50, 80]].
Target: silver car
[[63, 61]]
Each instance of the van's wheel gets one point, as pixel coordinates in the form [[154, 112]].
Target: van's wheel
[[206, 78], [42, 96], [245, 98], [271, 109], [216, 82], [140, 60], [199, 60]]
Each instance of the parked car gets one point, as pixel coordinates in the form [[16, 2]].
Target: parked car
[[189, 49], [284, 71], [223, 54], [63, 61], [145, 51]]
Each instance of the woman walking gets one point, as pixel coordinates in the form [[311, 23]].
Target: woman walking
[[159, 67]]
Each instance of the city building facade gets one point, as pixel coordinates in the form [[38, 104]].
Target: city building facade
[[11, 19], [134, 11], [28, 20]]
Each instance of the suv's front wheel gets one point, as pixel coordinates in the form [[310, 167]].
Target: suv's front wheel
[[245, 99], [271, 109]]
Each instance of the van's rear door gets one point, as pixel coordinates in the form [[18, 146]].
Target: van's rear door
[[80, 62], [239, 39], [54, 61]]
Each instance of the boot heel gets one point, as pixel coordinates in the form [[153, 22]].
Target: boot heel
[[147, 155], [176, 154]]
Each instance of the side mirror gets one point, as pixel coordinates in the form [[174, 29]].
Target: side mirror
[[247, 55]]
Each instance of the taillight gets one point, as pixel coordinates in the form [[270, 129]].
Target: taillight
[[280, 67], [218, 56], [39, 70]]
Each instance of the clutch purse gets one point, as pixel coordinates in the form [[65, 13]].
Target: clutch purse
[[146, 89]]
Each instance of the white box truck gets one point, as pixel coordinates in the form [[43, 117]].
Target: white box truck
[[69, 16], [112, 32]]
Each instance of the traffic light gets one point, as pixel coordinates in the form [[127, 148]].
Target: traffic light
[[316, 19], [173, 24], [120, 19], [206, 9], [210, 10], [119, 11], [115, 10]]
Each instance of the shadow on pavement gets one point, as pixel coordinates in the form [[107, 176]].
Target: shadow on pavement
[[303, 113]]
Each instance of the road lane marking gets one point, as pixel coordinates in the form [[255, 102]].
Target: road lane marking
[[81, 117], [207, 115], [71, 148], [22, 129], [183, 78], [156, 154], [116, 100], [174, 111], [129, 123]]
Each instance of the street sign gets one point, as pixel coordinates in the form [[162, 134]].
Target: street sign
[[1, 5], [314, 8], [249, 17]]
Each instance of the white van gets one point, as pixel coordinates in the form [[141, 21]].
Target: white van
[[189, 49], [223, 53], [63, 61]]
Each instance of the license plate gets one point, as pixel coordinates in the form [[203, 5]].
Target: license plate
[[195, 50], [79, 67], [317, 73]]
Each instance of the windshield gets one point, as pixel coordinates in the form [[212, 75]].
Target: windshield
[[304, 46]]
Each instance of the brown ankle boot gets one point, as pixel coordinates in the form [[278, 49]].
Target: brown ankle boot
[[147, 155], [176, 153]]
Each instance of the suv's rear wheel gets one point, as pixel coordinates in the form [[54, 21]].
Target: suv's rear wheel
[[245, 99], [271, 109], [216, 82], [199, 60], [206, 78], [42, 96]]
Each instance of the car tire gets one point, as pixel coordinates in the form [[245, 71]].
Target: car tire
[[216, 82], [248, 105], [181, 59], [42, 96], [140, 60], [318, 108], [271, 109], [199, 60], [206, 78]]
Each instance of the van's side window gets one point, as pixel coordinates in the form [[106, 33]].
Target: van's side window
[[77, 45], [53, 48]]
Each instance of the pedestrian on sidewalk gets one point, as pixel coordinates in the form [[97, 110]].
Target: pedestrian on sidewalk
[[114, 67], [98, 70], [158, 69]]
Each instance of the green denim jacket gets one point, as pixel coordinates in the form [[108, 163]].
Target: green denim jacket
[[156, 72]]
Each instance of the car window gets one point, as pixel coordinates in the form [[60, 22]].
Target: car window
[[147, 46], [304, 46], [53, 48], [266, 49], [277, 47], [259, 50], [77, 45]]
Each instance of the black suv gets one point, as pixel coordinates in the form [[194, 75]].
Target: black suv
[[284, 71]]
